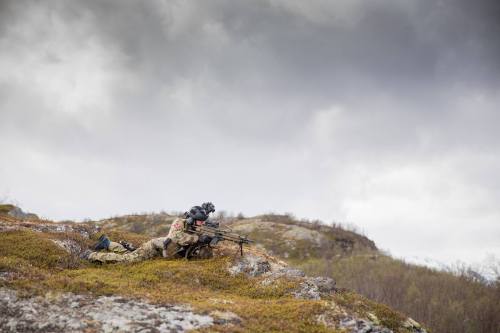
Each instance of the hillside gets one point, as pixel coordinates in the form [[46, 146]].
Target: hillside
[[46, 287], [281, 235], [442, 301]]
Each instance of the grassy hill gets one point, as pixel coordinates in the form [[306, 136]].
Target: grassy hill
[[281, 235], [443, 301], [46, 287]]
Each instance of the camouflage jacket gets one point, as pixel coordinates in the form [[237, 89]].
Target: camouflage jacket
[[177, 229]]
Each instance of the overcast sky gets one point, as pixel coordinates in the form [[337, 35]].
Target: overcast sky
[[381, 113]]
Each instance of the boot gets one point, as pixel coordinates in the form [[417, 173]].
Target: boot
[[102, 243]]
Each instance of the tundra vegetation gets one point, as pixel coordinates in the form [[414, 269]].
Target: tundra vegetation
[[38, 257], [444, 301], [33, 262]]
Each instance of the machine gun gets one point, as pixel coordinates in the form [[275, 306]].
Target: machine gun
[[218, 234]]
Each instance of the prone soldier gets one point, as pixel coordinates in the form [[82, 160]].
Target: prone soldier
[[167, 247]]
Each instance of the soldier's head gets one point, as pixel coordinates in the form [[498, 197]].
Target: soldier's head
[[208, 207], [197, 215]]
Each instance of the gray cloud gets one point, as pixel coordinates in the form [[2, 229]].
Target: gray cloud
[[380, 113]]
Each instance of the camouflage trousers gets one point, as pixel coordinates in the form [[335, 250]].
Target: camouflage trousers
[[151, 249]]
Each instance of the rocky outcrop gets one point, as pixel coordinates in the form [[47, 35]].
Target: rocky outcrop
[[84, 230], [309, 287], [314, 287], [250, 265], [77, 313], [70, 236], [356, 325], [288, 232], [16, 212]]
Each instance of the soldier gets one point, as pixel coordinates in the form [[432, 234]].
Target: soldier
[[161, 246]]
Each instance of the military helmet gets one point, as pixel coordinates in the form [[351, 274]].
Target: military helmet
[[208, 207], [197, 213]]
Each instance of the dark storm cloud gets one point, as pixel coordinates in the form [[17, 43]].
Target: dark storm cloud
[[406, 44], [366, 111], [269, 56]]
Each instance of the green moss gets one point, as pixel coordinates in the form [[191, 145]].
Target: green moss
[[35, 250], [21, 270]]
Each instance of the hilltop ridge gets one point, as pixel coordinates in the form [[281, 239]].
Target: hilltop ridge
[[40, 268], [281, 235], [461, 299]]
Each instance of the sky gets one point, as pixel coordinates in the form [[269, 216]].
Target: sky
[[378, 113]]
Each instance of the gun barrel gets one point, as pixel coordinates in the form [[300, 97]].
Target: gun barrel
[[223, 234]]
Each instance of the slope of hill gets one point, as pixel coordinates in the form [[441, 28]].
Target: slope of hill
[[443, 301], [45, 287], [281, 235], [13, 211], [297, 241]]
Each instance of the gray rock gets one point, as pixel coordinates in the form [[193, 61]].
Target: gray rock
[[356, 325], [413, 326], [69, 246], [250, 265], [313, 287], [76, 313], [291, 272], [324, 284], [307, 290], [85, 230], [286, 272]]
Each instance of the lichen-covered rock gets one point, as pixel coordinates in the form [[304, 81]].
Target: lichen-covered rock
[[324, 284], [286, 272], [373, 318], [307, 290], [313, 287], [84, 230], [69, 246], [413, 326], [251, 265], [290, 272], [356, 325], [76, 313]]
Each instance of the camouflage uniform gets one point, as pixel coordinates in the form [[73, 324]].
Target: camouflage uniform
[[152, 248], [178, 235]]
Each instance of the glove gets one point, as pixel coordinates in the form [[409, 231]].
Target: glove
[[127, 245], [204, 239]]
